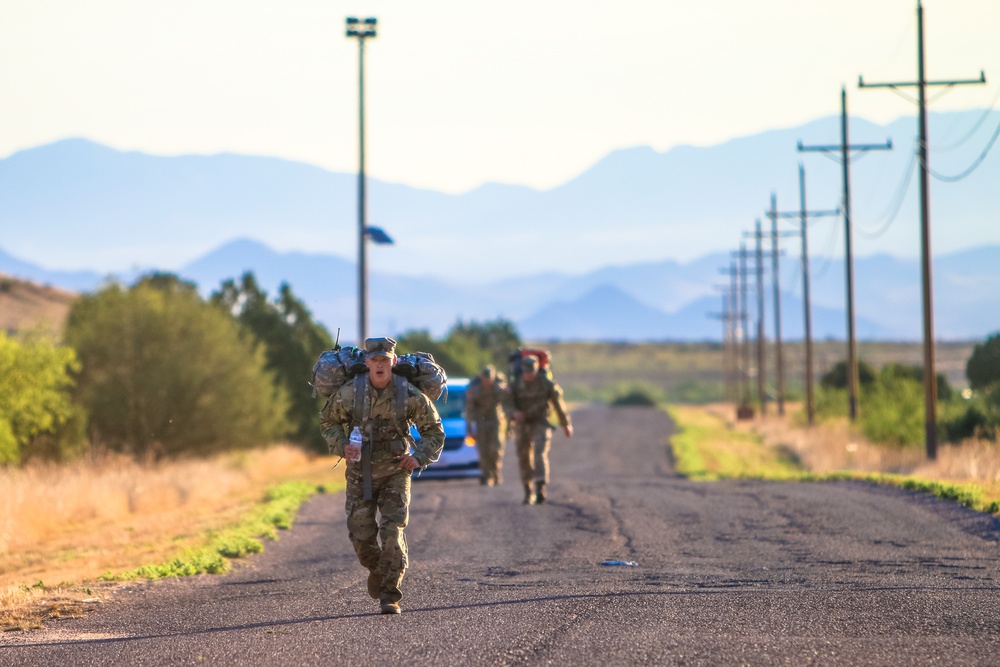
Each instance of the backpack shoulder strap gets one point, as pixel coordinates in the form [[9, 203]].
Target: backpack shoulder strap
[[362, 406], [402, 390]]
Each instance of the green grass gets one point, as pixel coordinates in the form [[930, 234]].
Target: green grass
[[705, 449], [276, 512]]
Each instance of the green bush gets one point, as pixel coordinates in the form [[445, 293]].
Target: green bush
[[836, 377], [892, 410], [164, 373], [467, 348], [292, 342], [35, 401], [634, 397]]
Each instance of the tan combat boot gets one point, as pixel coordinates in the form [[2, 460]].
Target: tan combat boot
[[529, 495]]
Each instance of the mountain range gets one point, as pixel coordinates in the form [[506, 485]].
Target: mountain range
[[638, 302], [632, 248]]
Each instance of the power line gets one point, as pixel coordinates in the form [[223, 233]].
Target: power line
[[975, 127], [896, 204], [978, 161]]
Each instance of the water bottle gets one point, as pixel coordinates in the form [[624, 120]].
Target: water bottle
[[353, 452]]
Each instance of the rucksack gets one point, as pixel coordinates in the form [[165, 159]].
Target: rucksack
[[518, 355], [335, 368], [423, 372]]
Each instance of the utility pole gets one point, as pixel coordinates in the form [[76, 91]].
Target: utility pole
[[761, 341], [845, 162], [803, 215], [745, 398], [744, 411], [728, 357], [930, 371], [772, 213], [731, 316]]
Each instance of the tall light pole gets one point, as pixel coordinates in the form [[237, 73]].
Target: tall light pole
[[362, 29]]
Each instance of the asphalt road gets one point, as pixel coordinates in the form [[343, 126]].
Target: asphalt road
[[727, 573]]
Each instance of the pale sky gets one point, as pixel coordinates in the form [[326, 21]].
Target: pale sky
[[462, 92]]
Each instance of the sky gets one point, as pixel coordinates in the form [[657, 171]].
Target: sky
[[460, 92]]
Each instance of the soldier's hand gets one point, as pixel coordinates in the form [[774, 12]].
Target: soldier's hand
[[518, 416], [568, 430], [408, 462]]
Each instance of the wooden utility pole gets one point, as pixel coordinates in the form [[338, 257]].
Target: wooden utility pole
[[772, 213], [843, 149], [803, 215], [759, 254], [930, 370]]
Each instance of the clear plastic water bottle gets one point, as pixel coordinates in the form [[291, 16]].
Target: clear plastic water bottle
[[353, 453]]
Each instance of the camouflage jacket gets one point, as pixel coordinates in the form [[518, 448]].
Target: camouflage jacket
[[337, 419], [534, 398], [482, 404]]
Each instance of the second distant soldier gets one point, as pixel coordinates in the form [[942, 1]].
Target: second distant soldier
[[483, 418], [528, 402]]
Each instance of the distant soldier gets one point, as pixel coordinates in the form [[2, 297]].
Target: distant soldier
[[528, 403], [483, 419], [382, 406]]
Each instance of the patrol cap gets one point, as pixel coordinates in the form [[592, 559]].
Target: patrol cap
[[489, 372], [380, 347], [530, 363]]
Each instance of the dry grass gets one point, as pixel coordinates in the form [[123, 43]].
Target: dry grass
[[63, 526], [834, 445]]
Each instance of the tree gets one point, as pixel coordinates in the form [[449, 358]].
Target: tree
[[292, 342], [35, 398], [836, 377], [467, 347], [983, 367], [498, 339], [164, 373]]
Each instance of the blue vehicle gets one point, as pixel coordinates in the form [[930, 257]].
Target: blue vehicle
[[460, 458]]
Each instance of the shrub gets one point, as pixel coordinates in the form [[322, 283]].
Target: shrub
[[635, 397], [35, 400], [164, 373]]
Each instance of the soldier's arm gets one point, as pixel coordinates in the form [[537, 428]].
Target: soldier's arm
[[556, 399], [507, 401], [423, 414], [334, 420], [470, 409]]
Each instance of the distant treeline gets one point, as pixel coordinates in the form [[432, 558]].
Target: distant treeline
[[154, 370]]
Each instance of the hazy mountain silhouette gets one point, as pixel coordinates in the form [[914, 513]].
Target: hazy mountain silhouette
[[613, 303], [77, 205]]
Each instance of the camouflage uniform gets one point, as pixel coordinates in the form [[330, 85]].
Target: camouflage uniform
[[534, 433], [484, 418], [387, 488]]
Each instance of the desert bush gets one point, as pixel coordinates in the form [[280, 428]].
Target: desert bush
[[467, 347], [292, 340], [166, 373], [636, 396], [983, 366], [836, 377], [35, 400]]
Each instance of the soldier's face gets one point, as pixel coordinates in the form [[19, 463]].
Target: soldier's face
[[379, 371], [529, 374]]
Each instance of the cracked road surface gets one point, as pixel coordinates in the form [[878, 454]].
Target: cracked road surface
[[736, 572]]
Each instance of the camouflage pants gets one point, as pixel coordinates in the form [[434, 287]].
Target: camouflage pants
[[489, 444], [391, 498], [533, 439]]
